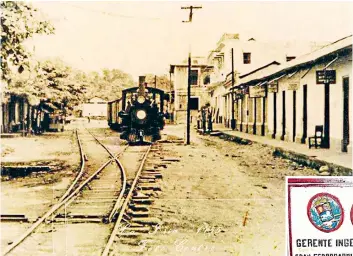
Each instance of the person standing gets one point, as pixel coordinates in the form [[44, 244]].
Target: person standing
[[199, 120], [204, 118], [209, 120]]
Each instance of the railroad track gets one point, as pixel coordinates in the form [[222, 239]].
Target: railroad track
[[83, 199], [100, 198], [120, 199], [134, 218]]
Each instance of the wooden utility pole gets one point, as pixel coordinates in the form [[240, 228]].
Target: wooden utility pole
[[189, 76], [170, 94], [155, 86], [232, 122]]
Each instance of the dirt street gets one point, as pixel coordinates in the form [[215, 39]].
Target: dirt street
[[221, 198]]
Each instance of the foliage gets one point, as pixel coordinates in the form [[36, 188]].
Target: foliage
[[163, 82], [50, 80], [19, 21], [64, 85], [107, 85]]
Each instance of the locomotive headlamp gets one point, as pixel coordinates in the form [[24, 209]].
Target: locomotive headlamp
[[141, 99], [141, 114]]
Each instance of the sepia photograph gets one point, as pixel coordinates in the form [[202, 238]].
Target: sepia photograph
[[176, 128]]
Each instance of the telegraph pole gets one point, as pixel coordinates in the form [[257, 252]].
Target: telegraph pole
[[189, 76], [155, 86], [170, 94], [232, 93]]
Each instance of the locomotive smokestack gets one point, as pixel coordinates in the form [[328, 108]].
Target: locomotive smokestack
[[142, 85], [142, 79]]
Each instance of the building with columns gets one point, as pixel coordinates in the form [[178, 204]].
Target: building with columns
[[287, 102], [249, 56]]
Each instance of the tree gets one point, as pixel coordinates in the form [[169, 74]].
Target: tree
[[64, 85], [163, 82], [50, 80], [108, 85], [19, 21]]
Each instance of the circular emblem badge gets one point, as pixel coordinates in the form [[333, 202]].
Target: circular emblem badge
[[352, 215], [325, 212]]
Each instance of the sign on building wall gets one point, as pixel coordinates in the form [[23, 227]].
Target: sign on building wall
[[326, 76], [319, 216], [272, 87], [238, 94], [293, 85], [257, 91]]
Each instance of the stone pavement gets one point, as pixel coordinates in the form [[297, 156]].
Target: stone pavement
[[317, 157]]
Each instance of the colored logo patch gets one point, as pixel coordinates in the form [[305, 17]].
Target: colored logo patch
[[325, 212], [352, 215]]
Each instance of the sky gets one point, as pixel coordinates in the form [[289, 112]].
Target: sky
[[142, 37]]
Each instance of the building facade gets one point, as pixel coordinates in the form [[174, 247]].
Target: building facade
[[289, 101], [200, 79], [95, 107], [247, 55]]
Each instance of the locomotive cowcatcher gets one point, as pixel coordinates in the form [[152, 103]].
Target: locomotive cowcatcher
[[142, 119]]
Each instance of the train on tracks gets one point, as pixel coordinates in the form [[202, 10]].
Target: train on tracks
[[138, 114]]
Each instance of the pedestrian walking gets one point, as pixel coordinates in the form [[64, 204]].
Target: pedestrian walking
[[89, 117]]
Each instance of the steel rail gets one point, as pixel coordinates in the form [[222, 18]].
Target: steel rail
[[58, 205], [79, 175], [122, 210], [99, 142], [124, 181], [54, 208]]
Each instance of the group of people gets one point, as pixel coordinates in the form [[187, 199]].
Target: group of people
[[204, 119]]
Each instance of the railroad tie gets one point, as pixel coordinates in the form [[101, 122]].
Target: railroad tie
[[146, 201], [149, 186], [147, 221], [138, 207], [138, 214]]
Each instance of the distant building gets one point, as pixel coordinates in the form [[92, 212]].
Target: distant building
[[200, 78], [95, 107]]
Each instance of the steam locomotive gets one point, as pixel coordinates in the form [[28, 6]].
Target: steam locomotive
[[138, 115]]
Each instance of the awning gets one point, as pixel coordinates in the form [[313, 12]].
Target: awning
[[330, 63], [274, 80]]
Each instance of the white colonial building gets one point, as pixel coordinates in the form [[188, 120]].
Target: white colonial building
[[289, 101], [95, 107], [248, 55]]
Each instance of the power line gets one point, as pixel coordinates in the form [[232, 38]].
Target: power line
[[117, 15]]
